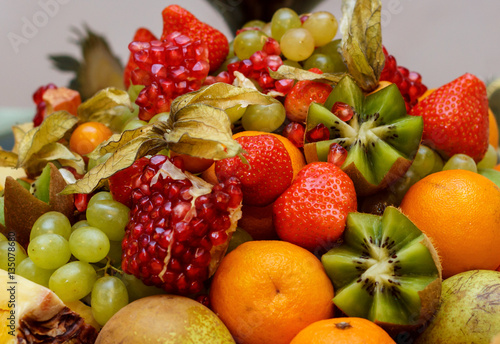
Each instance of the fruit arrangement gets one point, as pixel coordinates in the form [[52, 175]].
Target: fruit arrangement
[[282, 187]]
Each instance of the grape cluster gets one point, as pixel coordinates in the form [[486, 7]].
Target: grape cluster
[[82, 259]]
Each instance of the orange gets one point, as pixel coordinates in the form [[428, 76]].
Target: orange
[[460, 212], [268, 291], [343, 331], [493, 136], [497, 167], [258, 222]]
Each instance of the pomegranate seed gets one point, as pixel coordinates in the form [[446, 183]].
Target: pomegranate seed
[[245, 67], [258, 60], [284, 85], [273, 62], [343, 111], [319, 133], [294, 132], [218, 238], [272, 47], [337, 154]]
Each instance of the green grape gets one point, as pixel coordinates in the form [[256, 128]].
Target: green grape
[[109, 216], [291, 63], [89, 244], [29, 270], [490, 158], [109, 295], [3, 237], [133, 91], [332, 49], [137, 289], [323, 27], [124, 116], [115, 252], [460, 162], [267, 29], [134, 124], [160, 117], [102, 195], [234, 113], [401, 186], [51, 222], [79, 224], [438, 162], [255, 23], [284, 19], [265, 118], [297, 44], [49, 251], [248, 42], [11, 255], [424, 161], [73, 281], [321, 61], [239, 237]]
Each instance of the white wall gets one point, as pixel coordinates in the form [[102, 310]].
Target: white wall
[[441, 39]]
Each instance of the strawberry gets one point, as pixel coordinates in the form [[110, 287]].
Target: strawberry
[[141, 35], [268, 171], [312, 212], [176, 18], [456, 118], [302, 95]]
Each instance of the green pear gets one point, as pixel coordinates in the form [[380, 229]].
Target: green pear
[[469, 311]]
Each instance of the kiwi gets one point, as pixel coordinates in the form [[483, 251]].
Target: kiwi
[[381, 139], [40, 187], [386, 270]]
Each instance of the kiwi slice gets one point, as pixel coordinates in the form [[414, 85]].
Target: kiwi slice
[[386, 270], [381, 138], [40, 187]]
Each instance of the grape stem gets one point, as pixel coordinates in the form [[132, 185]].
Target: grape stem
[[108, 267]]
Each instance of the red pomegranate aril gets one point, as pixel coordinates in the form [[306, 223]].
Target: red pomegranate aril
[[258, 59], [343, 111], [273, 62], [175, 265], [182, 231], [155, 266], [201, 257], [284, 85], [233, 67], [337, 154], [204, 300], [245, 67], [266, 81], [218, 238], [304, 17], [271, 47], [294, 132], [404, 71], [319, 133], [223, 77]]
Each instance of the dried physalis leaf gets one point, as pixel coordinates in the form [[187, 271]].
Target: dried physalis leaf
[[59, 202], [362, 41], [52, 129], [54, 151], [289, 72], [106, 106], [21, 210]]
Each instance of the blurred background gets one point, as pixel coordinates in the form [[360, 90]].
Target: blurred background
[[439, 39]]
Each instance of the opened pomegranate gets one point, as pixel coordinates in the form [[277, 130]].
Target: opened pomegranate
[[179, 225]]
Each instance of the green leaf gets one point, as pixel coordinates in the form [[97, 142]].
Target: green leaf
[[105, 106], [289, 72], [65, 63], [52, 129], [362, 41], [202, 130]]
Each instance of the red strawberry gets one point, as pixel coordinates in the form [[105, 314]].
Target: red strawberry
[[269, 169], [312, 212], [141, 35], [456, 117], [302, 95], [179, 225], [176, 18]]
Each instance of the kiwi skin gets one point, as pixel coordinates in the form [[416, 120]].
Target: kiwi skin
[[429, 296]]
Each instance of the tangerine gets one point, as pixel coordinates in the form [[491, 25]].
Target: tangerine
[[459, 211], [493, 132], [349, 330], [268, 291]]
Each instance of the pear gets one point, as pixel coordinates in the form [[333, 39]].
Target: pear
[[469, 311]]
